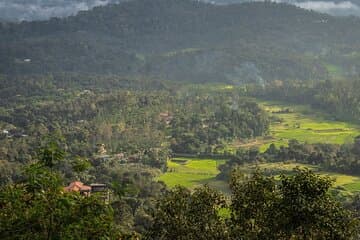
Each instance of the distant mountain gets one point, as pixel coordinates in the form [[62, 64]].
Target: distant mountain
[[186, 40], [336, 8], [29, 10]]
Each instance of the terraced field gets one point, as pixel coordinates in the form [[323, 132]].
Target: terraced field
[[290, 122], [300, 122], [192, 172]]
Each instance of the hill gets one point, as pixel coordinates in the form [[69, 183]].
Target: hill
[[185, 40]]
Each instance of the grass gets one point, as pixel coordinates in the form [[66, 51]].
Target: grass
[[305, 125], [353, 187], [334, 70], [192, 172], [301, 123]]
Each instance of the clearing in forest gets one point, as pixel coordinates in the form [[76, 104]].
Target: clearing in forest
[[288, 122], [192, 172]]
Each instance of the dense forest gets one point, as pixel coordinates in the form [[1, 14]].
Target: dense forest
[[338, 98], [139, 126], [185, 41]]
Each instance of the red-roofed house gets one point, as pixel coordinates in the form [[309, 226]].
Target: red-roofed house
[[78, 187]]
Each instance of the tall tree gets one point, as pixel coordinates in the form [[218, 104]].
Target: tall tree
[[38, 207], [182, 214], [298, 207]]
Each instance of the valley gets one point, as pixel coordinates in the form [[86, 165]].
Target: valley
[[180, 119], [305, 124], [289, 121]]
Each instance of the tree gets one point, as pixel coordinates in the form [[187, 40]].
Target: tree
[[39, 209], [185, 215], [298, 207], [307, 210], [252, 206], [356, 147], [51, 153]]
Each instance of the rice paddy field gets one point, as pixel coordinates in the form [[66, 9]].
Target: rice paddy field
[[289, 122], [304, 124], [192, 172]]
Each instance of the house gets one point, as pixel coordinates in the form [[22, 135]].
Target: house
[[166, 117], [78, 186], [101, 149], [94, 188], [120, 157], [99, 188]]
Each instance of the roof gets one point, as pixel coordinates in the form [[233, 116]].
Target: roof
[[98, 185], [77, 187]]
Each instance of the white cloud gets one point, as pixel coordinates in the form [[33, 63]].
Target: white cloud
[[44, 9], [340, 8]]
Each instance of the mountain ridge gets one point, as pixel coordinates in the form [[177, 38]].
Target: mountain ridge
[[129, 38]]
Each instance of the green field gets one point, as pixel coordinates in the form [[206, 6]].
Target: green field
[[191, 172], [334, 70], [303, 124], [300, 123], [307, 125], [346, 184]]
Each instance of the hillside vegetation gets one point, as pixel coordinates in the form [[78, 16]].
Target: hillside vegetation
[[186, 41], [147, 95], [288, 123]]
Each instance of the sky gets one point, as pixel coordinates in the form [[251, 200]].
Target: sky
[[337, 8], [18, 10], [342, 8]]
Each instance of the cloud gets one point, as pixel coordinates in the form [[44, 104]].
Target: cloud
[[334, 8], [337, 8], [18, 10]]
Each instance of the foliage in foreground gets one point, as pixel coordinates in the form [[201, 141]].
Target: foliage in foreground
[[39, 209], [296, 207], [293, 207]]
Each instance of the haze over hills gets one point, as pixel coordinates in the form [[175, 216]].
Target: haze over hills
[[186, 40], [336, 8], [19, 10]]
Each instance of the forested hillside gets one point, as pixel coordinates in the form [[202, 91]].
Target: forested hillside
[[104, 113], [121, 137], [339, 98], [185, 40]]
